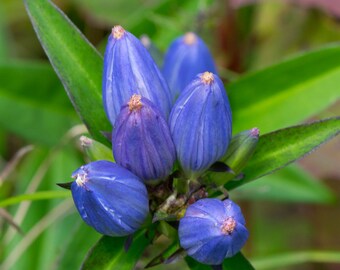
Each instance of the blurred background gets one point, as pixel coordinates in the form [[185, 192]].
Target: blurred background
[[293, 215]]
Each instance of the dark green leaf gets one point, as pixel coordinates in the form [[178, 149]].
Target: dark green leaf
[[109, 253], [236, 262], [165, 256], [287, 93], [278, 149], [75, 60], [194, 265]]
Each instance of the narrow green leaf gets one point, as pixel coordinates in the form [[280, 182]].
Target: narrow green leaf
[[290, 184], [278, 149], [70, 255], [75, 60], [109, 253], [39, 195], [287, 93]]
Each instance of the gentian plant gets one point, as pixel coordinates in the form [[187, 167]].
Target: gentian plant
[[142, 142], [175, 157]]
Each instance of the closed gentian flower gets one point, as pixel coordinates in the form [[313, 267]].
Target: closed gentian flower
[[186, 57], [212, 230], [141, 140], [200, 124], [129, 69], [109, 198]]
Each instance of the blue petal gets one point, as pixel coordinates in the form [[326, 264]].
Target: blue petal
[[142, 142], [212, 252], [129, 69], [109, 198], [184, 61], [201, 235], [200, 124]]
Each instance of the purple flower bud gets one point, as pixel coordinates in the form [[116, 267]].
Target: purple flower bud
[[212, 230], [129, 69], [187, 56], [141, 140], [109, 198], [200, 124]]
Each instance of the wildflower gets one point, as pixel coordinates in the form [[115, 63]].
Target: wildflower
[[141, 140], [129, 69], [212, 230], [109, 198], [200, 124], [187, 56]]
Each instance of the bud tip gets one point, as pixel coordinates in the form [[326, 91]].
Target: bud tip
[[207, 77], [145, 41], [81, 178], [254, 132], [135, 102], [118, 31], [190, 38], [85, 141], [228, 226]]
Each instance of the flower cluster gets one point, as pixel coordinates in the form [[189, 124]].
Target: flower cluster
[[156, 121]]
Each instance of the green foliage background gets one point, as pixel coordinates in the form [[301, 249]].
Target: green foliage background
[[281, 66]]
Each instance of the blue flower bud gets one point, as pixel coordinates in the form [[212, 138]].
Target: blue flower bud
[[109, 198], [187, 56], [129, 69], [212, 230], [141, 140], [200, 124]]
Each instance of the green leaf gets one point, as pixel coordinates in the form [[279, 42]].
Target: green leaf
[[173, 251], [39, 195], [75, 60], [278, 149], [81, 235], [109, 253], [287, 93], [33, 121], [236, 262], [290, 184], [23, 102], [35, 80], [194, 265]]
